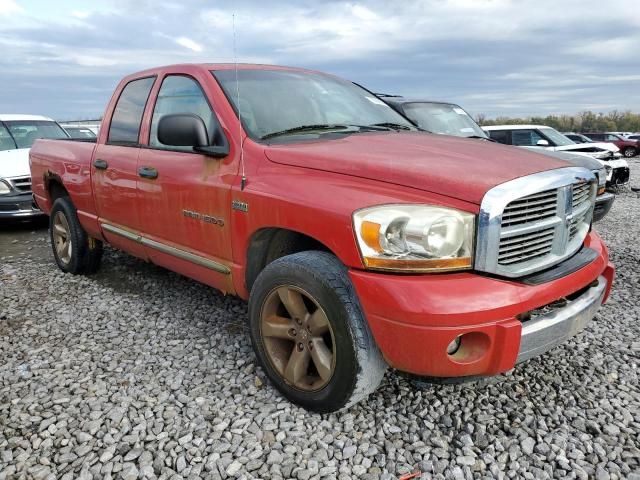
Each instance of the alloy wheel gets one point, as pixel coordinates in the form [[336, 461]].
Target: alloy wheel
[[62, 238], [298, 338]]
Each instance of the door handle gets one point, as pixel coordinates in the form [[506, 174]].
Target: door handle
[[100, 164], [148, 172]]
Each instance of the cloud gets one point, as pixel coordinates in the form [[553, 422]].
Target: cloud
[[8, 7], [190, 44], [493, 56]]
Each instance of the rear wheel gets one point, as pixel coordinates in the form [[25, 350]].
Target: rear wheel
[[75, 252], [629, 152], [310, 335]]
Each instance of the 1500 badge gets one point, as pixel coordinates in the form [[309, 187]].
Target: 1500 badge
[[204, 218]]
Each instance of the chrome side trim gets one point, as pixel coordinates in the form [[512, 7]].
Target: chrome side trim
[[550, 330], [495, 201], [129, 235], [176, 252]]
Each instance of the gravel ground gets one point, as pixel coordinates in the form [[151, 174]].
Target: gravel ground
[[139, 373]]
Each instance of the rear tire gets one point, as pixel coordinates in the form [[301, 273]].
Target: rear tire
[[75, 252], [319, 326], [629, 152]]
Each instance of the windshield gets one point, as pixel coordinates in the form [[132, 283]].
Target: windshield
[[274, 101], [556, 137], [25, 132], [6, 140], [443, 118]]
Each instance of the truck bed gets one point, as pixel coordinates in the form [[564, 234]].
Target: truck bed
[[69, 161]]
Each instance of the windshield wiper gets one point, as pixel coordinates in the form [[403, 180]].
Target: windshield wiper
[[391, 125], [303, 128]]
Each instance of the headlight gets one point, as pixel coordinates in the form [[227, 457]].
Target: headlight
[[601, 175], [415, 238], [4, 188]]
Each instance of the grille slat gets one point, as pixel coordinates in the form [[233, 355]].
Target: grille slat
[[526, 218], [525, 237], [518, 245], [22, 184]]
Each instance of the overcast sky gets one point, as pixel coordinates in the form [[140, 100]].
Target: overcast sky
[[62, 58]]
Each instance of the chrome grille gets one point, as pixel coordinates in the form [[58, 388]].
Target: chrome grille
[[534, 222], [22, 184], [580, 195]]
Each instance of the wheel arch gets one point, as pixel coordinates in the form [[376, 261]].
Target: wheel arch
[[270, 243]]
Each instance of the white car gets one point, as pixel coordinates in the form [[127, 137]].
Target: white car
[[17, 134], [541, 136]]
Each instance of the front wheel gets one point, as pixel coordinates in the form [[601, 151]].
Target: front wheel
[[75, 252], [310, 335], [629, 152]]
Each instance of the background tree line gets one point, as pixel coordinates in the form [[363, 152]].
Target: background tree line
[[586, 121]]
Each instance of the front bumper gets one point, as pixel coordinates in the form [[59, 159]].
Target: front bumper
[[554, 328], [604, 202], [18, 206], [414, 318]]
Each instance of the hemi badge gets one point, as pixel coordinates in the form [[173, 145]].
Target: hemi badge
[[238, 205]]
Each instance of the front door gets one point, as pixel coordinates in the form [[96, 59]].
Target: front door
[[114, 171], [184, 196]]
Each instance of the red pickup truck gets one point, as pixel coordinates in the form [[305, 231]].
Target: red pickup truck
[[360, 242]]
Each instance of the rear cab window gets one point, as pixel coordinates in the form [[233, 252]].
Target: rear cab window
[[127, 115]]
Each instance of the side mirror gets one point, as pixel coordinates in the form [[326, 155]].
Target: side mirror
[[189, 130], [542, 143]]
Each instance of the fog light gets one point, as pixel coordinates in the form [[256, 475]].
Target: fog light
[[453, 346]]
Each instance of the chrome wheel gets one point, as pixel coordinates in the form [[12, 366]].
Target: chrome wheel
[[62, 237], [298, 338]]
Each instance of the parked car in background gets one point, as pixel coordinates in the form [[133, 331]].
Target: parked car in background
[[628, 147], [17, 134], [359, 242], [80, 133], [445, 118], [578, 137], [437, 117], [540, 136], [635, 136], [93, 125]]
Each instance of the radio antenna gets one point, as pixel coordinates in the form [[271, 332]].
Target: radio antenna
[[243, 180]]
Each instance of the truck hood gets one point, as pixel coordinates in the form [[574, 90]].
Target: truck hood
[[456, 167], [14, 163]]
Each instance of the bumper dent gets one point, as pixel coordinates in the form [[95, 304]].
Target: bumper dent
[[550, 330]]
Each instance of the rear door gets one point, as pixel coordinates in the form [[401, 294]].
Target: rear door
[[114, 170]]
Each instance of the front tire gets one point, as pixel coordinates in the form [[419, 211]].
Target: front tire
[[310, 335], [75, 252], [629, 152]]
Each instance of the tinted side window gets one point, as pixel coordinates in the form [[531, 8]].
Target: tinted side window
[[127, 116], [526, 138], [500, 136], [180, 94]]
